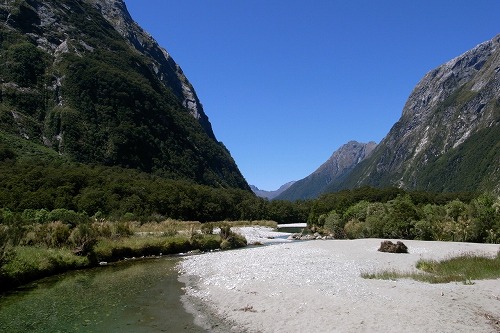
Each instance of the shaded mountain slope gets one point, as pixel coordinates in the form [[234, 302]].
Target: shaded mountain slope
[[81, 78], [338, 166]]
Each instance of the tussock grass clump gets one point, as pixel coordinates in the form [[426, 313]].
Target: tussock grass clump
[[463, 268]]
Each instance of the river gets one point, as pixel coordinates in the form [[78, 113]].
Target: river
[[139, 296]]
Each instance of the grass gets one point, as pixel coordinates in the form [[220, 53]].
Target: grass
[[127, 247], [30, 262], [463, 268]]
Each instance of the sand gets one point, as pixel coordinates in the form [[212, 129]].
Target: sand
[[315, 286]]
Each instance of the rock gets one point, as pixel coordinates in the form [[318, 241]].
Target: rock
[[388, 246]]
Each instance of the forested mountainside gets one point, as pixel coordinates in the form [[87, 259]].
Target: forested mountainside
[[80, 78], [338, 166], [448, 137]]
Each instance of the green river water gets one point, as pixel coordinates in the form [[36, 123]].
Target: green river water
[[138, 296]]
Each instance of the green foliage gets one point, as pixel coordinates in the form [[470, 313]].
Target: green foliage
[[401, 219], [117, 249], [72, 192], [234, 241], [25, 64], [469, 167], [230, 239], [440, 218], [205, 242], [463, 268], [207, 228], [28, 263], [333, 224]]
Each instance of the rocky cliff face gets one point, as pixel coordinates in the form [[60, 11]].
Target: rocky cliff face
[[82, 78], [160, 61], [451, 115], [338, 166]]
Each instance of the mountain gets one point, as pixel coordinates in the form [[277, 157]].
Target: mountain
[[338, 166], [271, 194], [448, 137], [81, 78]]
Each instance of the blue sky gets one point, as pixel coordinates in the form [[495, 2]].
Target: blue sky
[[286, 82]]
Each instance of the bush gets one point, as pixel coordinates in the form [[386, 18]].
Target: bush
[[334, 224], [205, 242], [67, 216], [83, 238], [233, 241], [353, 229], [225, 231], [207, 228], [123, 229]]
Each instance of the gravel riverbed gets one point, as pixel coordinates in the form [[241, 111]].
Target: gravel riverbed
[[316, 286]]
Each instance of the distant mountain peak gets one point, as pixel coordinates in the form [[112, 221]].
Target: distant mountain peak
[[340, 163], [271, 194]]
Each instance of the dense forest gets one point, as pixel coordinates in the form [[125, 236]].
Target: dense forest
[[31, 189]]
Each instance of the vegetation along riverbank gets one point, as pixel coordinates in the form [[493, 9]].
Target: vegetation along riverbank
[[55, 219]]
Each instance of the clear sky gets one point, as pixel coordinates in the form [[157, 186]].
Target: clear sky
[[285, 83]]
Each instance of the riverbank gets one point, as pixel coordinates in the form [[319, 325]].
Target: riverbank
[[316, 286]]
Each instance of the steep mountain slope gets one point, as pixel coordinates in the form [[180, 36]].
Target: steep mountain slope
[[271, 194], [338, 166], [448, 137], [82, 78]]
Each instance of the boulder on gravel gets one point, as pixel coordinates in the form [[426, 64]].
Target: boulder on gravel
[[388, 246]]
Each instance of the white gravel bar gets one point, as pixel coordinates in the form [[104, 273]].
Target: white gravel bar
[[315, 286]]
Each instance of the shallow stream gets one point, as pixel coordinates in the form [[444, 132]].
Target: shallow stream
[[138, 296]]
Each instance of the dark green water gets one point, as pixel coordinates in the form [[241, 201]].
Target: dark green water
[[140, 296]]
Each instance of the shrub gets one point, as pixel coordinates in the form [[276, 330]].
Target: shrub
[[334, 224], [83, 238], [225, 230], [57, 234], [207, 228], [353, 229], [205, 242], [233, 241], [53, 234], [103, 229], [123, 229], [67, 216]]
